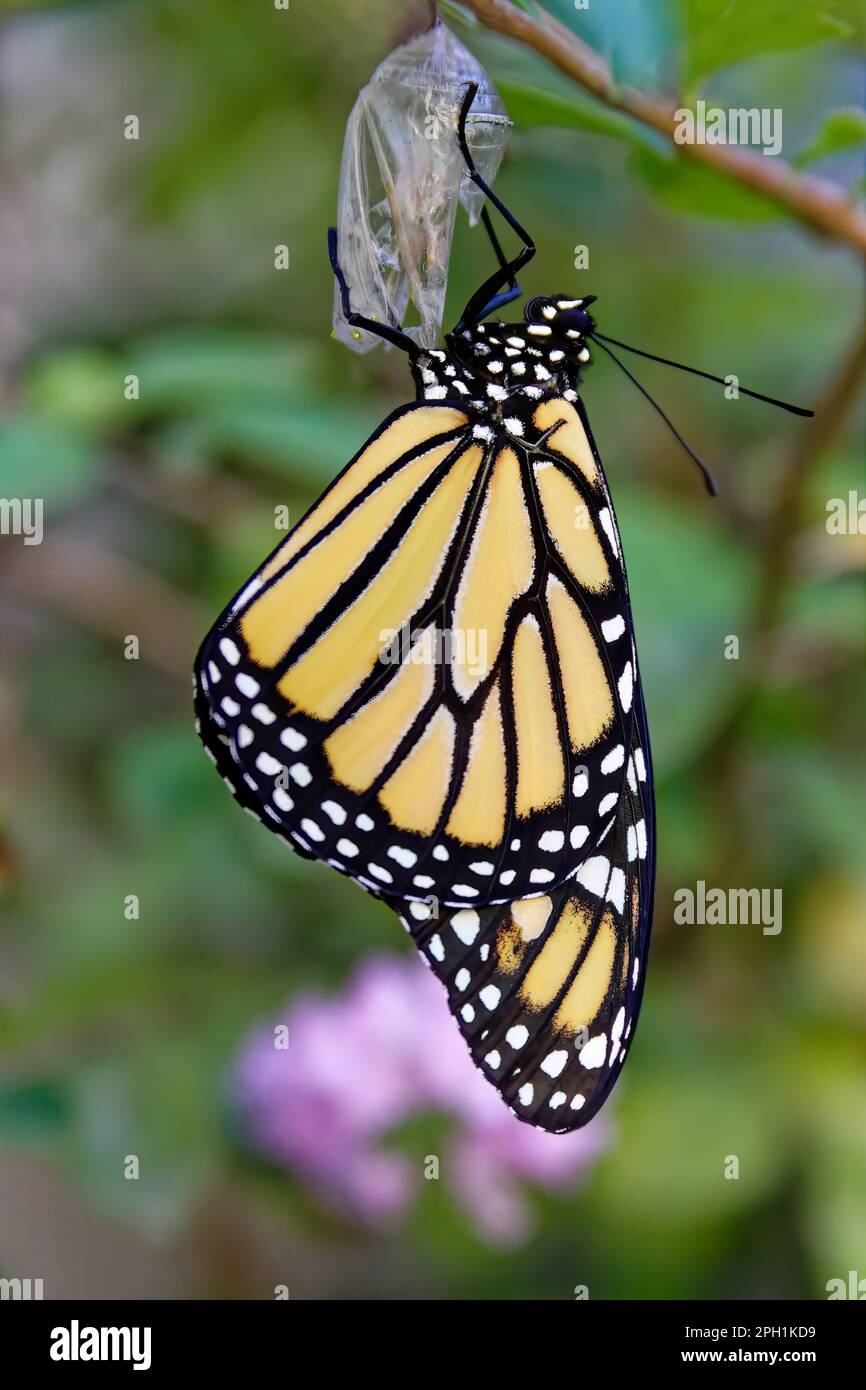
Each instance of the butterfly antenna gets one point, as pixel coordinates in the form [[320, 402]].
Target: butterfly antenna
[[696, 371], [709, 480]]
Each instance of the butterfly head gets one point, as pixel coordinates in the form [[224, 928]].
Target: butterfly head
[[564, 316]]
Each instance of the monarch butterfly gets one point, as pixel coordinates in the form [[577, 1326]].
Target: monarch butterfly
[[500, 800]]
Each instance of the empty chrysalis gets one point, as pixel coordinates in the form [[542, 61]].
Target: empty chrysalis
[[402, 177]]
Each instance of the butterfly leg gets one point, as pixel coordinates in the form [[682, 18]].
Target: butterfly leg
[[380, 330], [489, 296]]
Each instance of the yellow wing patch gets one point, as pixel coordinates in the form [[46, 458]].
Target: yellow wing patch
[[588, 696], [359, 749], [415, 794], [551, 967], [334, 667], [498, 569], [569, 438], [272, 623], [585, 995], [569, 523], [407, 432], [478, 817]]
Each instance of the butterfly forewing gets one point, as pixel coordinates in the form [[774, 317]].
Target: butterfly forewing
[[423, 685]]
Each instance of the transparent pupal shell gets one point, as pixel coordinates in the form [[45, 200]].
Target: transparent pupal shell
[[401, 178]]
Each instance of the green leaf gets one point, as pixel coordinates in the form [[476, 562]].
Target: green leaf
[[158, 777], [822, 804], [308, 442], [633, 38], [77, 386], [719, 33], [851, 13], [842, 130], [830, 1083], [32, 1112], [203, 369], [690, 583], [156, 1102], [727, 1100], [40, 459], [683, 185], [529, 107]]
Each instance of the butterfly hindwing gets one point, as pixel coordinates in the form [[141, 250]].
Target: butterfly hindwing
[[546, 990]]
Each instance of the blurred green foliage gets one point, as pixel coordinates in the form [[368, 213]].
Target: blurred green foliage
[[117, 1033]]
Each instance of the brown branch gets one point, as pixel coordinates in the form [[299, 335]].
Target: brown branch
[[785, 519], [109, 595], [815, 202]]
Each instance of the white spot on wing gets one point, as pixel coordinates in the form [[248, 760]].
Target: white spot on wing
[[616, 889], [265, 763], [554, 1063], [615, 758], [606, 520], [593, 875], [625, 686], [292, 739], [551, 840], [465, 924], [593, 1053], [490, 996], [405, 857], [541, 876]]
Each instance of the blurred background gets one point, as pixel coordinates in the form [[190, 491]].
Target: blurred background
[[153, 1141]]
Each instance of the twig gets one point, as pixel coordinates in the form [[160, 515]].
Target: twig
[[785, 518], [815, 202], [112, 597], [779, 542]]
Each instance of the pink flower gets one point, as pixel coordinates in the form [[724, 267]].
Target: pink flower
[[359, 1064]]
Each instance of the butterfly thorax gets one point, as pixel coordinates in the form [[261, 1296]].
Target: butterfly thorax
[[502, 370]]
